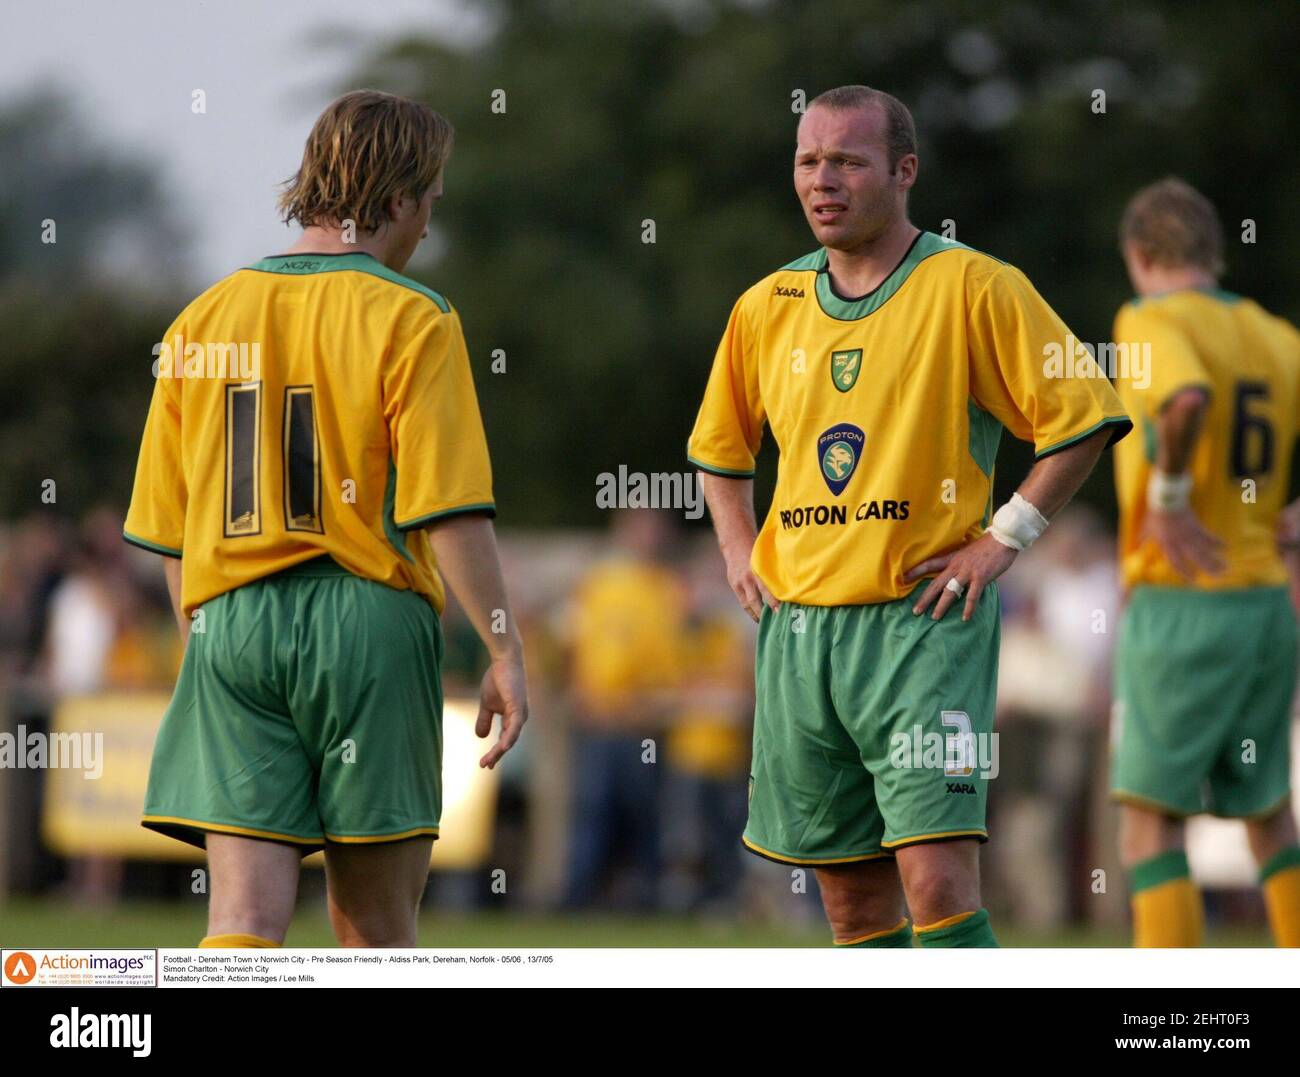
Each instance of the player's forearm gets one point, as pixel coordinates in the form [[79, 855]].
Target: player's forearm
[[466, 550], [731, 507], [1177, 429], [172, 572], [1053, 481]]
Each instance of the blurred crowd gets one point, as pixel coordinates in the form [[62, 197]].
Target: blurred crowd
[[80, 612], [628, 791]]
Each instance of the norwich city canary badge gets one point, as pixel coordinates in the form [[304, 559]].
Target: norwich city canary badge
[[838, 452], [845, 368]]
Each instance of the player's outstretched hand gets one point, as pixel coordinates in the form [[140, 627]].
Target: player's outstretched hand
[[972, 566], [505, 692], [1185, 542], [749, 589]]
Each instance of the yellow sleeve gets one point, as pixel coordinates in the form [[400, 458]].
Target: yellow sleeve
[[1292, 337], [1173, 364], [156, 518], [439, 449], [1017, 346], [729, 428]]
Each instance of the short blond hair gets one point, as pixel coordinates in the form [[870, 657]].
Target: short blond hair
[[1172, 224], [366, 147], [900, 128]]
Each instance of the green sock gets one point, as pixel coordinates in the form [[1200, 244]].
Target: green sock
[[972, 930], [898, 939]]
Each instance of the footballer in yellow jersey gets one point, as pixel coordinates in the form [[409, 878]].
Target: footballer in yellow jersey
[[879, 402], [313, 464], [1246, 364], [885, 365], [1206, 653], [344, 421]]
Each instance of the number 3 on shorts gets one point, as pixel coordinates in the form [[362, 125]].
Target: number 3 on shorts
[[959, 754]]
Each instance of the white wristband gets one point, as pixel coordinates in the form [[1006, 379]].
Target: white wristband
[[1017, 523], [1169, 493]]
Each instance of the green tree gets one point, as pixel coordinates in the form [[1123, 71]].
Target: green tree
[[77, 328], [681, 114]]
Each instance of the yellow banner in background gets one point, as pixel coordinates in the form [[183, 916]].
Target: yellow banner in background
[[100, 816]]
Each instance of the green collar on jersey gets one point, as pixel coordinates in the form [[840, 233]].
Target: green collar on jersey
[[359, 261], [851, 310]]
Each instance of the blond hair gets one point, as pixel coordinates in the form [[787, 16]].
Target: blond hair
[[366, 147], [1172, 224], [900, 129]]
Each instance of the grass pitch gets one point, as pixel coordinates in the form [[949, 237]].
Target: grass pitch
[[52, 923]]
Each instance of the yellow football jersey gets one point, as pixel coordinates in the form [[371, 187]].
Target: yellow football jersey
[[1249, 362], [309, 404], [710, 736], [887, 410], [628, 620]]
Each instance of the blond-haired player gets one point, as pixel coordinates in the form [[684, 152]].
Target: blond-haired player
[[1206, 654], [310, 500], [886, 365]]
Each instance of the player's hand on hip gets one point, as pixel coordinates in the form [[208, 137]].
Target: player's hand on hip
[[749, 589], [505, 692], [1189, 547], [961, 574]]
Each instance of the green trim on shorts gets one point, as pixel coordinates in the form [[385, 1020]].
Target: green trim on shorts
[[777, 858]]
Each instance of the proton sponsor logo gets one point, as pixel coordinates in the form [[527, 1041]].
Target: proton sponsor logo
[[838, 452], [823, 515]]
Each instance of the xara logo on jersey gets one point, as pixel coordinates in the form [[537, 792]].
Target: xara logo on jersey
[[838, 452], [845, 368]]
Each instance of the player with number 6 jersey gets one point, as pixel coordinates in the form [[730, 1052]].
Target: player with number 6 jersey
[[1206, 650]]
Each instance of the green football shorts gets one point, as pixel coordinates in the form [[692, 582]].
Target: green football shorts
[[1203, 689], [872, 729], [309, 709]]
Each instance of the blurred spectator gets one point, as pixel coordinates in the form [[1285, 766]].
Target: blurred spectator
[[709, 744], [627, 624], [75, 619], [1053, 698], [33, 563]]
